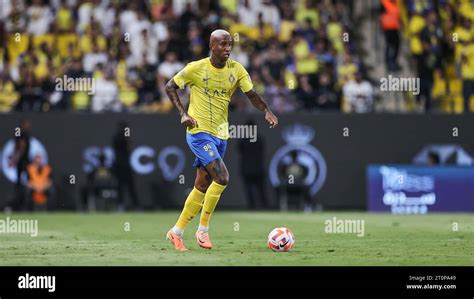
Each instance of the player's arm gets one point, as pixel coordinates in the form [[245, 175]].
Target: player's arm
[[171, 91], [260, 104]]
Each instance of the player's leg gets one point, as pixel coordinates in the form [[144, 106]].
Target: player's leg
[[209, 151], [194, 201], [192, 206], [203, 180], [220, 178]]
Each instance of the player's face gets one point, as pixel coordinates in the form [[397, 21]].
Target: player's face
[[222, 48]]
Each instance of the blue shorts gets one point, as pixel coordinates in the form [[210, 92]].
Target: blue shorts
[[206, 147]]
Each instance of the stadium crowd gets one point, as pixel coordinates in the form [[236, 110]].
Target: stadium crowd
[[440, 35], [295, 51], [301, 55]]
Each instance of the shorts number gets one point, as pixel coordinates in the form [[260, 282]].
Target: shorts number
[[207, 147]]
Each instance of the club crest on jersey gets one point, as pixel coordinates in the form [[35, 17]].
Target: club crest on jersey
[[231, 78]]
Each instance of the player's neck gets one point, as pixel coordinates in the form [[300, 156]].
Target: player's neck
[[217, 63]]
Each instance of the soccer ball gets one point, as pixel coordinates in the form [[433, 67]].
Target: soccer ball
[[281, 239]]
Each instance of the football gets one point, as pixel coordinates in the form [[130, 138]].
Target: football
[[281, 239]]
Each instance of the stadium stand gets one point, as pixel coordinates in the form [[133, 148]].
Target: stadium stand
[[132, 48], [442, 32], [298, 53]]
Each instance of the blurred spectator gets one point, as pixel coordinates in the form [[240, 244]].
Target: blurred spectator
[[306, 64], [240, 53], [293, 188], [323, 55], [78, 99], [85, 14], [168, 69], [308, 10], [92, 59], [39, 183], [122, 168], [196, 43], [433, 158], [187, 17], [39, 18], [100, 191], [142, 42], [306, 93], [64, 18], [31, 94], [105, 97], [358, 95], [317, 96], [326, 97], [467, 69], [8, 94], [288, 23], [390, 20], [427, 63], [146, 83], [270, 14], [274, 66], [346, 69], [91, 39], [279, 99], [334, 29], [252, 169], [20, 160], [432, 34], [247, 13], [105, 14]]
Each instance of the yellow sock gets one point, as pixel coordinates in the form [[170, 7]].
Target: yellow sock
[[191, 207], [213, 194]]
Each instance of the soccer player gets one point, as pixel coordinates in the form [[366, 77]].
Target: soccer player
[[212, 82]]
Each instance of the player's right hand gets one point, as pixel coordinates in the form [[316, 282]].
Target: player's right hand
[[188, 121]]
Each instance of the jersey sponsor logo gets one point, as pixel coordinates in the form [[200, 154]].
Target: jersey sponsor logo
[[215, 92]]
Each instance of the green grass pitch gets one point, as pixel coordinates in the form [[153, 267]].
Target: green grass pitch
[[239, 238]]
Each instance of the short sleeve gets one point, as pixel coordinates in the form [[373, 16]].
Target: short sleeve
[[245, 83], [183, 77]]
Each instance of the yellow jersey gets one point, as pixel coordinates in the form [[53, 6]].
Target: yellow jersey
[[211, 90]]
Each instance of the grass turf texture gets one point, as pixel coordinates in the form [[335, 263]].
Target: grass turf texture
[[101, 239]]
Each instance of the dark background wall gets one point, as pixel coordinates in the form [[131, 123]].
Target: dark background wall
[[372, 139]]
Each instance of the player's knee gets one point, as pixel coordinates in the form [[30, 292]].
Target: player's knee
[[222, 179], [202, 186]]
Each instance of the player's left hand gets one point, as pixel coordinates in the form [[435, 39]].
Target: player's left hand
[[271, 119]]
